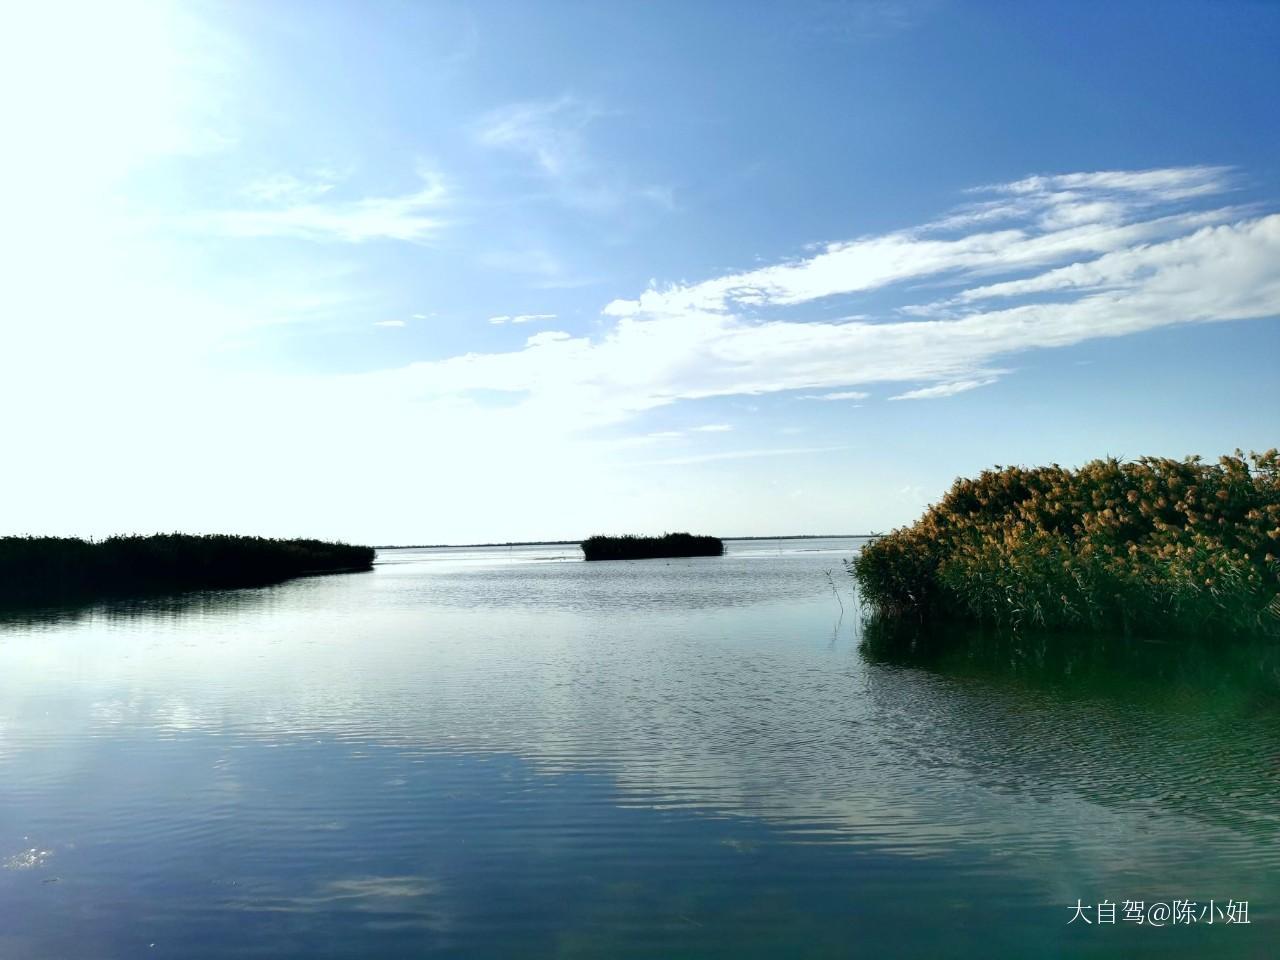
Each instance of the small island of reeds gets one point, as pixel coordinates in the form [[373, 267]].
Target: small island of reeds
[[39, 570], [650, 548], [1153, 546]]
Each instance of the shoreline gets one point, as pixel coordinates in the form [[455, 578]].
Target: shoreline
[[574, 543], [38, 571]]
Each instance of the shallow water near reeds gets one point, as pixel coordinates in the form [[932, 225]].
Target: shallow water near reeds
[[511, 753]]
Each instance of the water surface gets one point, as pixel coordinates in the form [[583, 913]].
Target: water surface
[[497, 752]]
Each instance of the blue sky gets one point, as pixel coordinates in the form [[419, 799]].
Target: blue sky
[[453, 272]]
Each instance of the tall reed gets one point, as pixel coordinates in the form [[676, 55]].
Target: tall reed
[[647, 548], [1154, 545], [45, 569]]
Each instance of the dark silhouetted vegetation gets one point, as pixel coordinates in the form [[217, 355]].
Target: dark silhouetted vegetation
[[36, 570], [649, 548], [1155, 546]]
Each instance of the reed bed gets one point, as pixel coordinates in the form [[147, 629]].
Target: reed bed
[[47, 569], [1151, 546], [650, 548]]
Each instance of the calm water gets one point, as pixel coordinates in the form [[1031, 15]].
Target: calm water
[[509, 753]]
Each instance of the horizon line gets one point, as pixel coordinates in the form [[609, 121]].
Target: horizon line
[[565, 543]]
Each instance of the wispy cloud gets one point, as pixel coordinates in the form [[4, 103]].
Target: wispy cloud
[[389, 323], [304, 211], [547, 131], [547, 336], [291, 188], [1052, 226], [838, 395], [552, 135], [654, 436], [944, 389], [1145, 186], [1148, 249], [1064, 200], [521, 318]]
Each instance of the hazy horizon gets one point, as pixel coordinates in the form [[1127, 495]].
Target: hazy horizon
[[435, 273], [562, 541]]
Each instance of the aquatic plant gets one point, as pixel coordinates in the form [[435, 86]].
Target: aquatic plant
[[647, 548], [1154, 545], [46, 569]]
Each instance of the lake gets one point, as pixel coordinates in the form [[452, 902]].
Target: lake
[[506, 752]]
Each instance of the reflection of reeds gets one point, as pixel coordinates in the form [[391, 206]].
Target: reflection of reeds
[[42, 569], [649, 548], [1156, 545]]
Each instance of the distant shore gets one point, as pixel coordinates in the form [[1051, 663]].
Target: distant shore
[[42, 570], [669, 545], [574, 543]]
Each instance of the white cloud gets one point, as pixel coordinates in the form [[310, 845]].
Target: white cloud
[[840, 395], [621, 308], [736, 334], [389, 323], [1063, 200], [712, 428], [521, 318], [871, 263], [412, 217], [1111, 270], [547, 337], [1147, 186], [288, 188], [944, 389]]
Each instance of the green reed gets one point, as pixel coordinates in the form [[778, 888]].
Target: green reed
[[46, 569], [648, 548], [1154, 545]]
